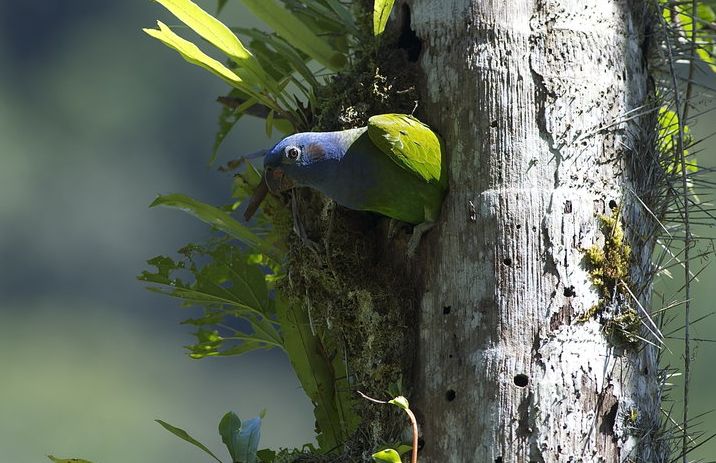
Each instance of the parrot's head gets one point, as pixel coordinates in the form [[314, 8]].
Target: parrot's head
[[297, 160]]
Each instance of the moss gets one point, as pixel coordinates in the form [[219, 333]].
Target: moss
[[625, 326], [359, 298], [609, 266], [347, 274], [379, 82]]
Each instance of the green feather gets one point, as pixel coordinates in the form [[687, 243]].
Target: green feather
[[411, 145]]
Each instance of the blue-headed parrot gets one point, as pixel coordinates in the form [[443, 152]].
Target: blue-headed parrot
[[394, 167]]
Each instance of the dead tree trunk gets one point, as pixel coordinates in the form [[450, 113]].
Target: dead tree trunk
[[521, 357]]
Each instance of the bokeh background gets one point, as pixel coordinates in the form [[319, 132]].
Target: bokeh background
[[95, 120]]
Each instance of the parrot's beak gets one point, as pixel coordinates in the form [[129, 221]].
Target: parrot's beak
[[256, 199], [276, 180]]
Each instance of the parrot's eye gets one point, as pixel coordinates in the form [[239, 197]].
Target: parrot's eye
[[292, 153]]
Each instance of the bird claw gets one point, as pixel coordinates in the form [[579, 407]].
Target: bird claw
[[418, 231], [393, 226], [298, 227]]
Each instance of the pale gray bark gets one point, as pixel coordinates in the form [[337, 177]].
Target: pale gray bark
[[521, 90]]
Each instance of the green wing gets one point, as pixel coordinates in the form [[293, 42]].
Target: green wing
[[410, 144]]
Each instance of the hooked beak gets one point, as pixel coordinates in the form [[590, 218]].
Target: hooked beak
[[274, 181]]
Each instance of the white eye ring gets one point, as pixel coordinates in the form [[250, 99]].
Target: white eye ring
[[292, 152]]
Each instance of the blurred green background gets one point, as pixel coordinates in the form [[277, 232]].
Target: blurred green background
[[95, 120]]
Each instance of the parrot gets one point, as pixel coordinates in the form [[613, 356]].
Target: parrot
[[394, 166]]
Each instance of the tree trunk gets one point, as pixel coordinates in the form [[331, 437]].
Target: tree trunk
[[519, 359]]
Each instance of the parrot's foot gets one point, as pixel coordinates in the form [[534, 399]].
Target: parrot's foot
[[393, 226], [418, 232], [298, 227]]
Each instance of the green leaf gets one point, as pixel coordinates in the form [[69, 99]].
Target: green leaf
[[210, 344], [67, 460], [295, 32], [282, 60], [381, 13], [227, 286], [211, 215], [192, 54], [181, 434], [284, 126], [387, 456], [403, 448], [229, 429], [319, 376], [681, 18], [400, 402], [266, 455], [242, 439], [396, 388], [331, 20], [216, 33]]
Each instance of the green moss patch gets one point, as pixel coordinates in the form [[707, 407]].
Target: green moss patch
[[609, 266]]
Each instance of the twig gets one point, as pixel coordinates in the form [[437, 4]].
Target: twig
[[413, 422]]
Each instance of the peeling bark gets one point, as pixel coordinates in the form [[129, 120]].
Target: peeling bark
[[532, 99]]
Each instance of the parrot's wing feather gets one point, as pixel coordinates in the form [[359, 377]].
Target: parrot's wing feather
[[410, 144]]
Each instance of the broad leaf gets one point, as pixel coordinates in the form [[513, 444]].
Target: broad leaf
[[193, 54], [229, 429], [400, 402], [387, 456], [241, 439], [181, 434], [328, 390], [216, 33], [381, 13]]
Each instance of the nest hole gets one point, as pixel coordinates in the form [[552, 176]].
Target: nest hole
[[409, 40]]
